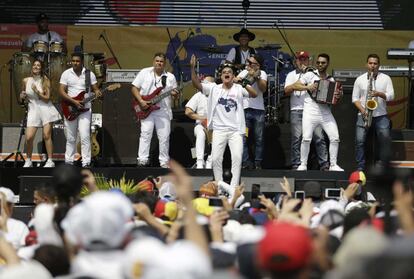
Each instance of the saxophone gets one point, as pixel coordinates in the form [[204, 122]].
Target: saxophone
[[370, 103]]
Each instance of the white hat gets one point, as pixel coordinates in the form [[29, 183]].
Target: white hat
[[167, 191], [9, 194], [99, 221]]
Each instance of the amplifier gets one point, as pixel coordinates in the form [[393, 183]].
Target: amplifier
[[121, 75]]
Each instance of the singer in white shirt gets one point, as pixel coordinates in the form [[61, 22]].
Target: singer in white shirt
[[382, 91]]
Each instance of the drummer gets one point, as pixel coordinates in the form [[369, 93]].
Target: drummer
[[43, 34], [239, 54]]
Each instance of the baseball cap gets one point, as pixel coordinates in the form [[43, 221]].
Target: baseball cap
[[302, 54], [166, 210], [41, 16], [9, 194], [167, 191], [285, 247], [99, 221], [358, 177]]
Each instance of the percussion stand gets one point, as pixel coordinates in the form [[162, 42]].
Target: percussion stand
[[17, 153]]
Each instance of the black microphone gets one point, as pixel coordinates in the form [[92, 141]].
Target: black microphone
[[81, 43]]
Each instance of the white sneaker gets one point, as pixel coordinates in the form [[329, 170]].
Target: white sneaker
[[200, 164], [302, 168], [49, 164], [164, 166], [28, 164], [335, 168]]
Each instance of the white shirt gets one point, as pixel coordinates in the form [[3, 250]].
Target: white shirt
[[76, 84], [297, 98], [255, 103], [54, 37], [225, 107], [243, 55], [198, 104], [310, 106], [147, 81], [382, 83], [16, 233]]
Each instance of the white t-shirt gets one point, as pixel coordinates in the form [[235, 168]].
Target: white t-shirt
[[255, 103], [198, 103], [147, 81], [243, 55], [16, 233], [225, 107], [54, 37], [310, 106], [76, 84], [382, 83], [297, 98]]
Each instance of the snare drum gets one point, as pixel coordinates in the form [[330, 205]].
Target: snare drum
[[40, 46], [56, 47], [21, 68]]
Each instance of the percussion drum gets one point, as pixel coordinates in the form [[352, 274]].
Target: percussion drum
[[56, 47], [40, 46], [57, 65], [88, 62], [21, 68]]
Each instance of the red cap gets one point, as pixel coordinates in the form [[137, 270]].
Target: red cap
[[302, 54], [285, 247], [357, 177]]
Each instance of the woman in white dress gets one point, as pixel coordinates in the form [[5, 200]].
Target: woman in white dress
[[41, 112]]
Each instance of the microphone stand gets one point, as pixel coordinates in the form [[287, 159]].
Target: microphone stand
[[284, 37], [108, 44]]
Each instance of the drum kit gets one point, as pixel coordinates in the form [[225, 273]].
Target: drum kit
[[55, 62]]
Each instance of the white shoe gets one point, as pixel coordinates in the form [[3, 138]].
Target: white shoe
[[164, 166], [335, 168], [200, 164], [28, 164], [49, 164], [302, 168]]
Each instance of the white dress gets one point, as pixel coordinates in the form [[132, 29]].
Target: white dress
[[40, 113]]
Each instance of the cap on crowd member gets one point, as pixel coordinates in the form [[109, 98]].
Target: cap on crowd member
[[358, 177], [209, 189], [145, 185], [285, 247], [99, 221], [41, 16], [8, 194], [244, 31], [166, 210], [167, 191], [302, 54]]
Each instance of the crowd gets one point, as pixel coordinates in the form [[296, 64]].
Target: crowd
[[166, 230]]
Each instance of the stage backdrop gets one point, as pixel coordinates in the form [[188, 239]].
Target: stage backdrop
[[135, 46]]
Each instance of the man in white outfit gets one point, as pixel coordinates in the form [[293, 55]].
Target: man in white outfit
[[196, 109], [225, 117], [382, 91], [315, 114], [148, 80], [73, 82]]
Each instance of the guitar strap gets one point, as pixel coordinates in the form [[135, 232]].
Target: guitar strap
[[87, 80]]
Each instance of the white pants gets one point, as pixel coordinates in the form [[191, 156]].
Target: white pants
[[162, 125], [220, 141], [328, 123], [83, 124], [200, 146]]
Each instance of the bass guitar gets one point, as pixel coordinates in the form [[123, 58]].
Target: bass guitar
[[71, 112], [152, 100]]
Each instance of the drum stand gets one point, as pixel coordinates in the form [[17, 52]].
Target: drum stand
[[17, 154]]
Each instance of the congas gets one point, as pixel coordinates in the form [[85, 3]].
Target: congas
[[88, 62], [57, 65], [100, 70], [40, 46], [21, 68], [56, 47]]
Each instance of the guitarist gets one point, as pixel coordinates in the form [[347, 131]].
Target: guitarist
[[146, 82], [72, 82]]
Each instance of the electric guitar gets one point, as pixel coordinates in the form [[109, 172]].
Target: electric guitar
[[71, 112], [152, 100]]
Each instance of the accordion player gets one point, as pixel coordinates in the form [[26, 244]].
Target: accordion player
[[325, 92]]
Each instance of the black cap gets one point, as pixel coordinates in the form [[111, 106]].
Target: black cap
[[41, 16]]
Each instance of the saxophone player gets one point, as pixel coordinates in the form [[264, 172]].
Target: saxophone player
[[369, 88]]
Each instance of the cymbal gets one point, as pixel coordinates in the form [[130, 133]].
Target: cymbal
[[200, 65], [269, 47], [212, 49]]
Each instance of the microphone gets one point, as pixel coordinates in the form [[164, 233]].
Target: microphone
[[100, 36], [191, 32], [81, 43]]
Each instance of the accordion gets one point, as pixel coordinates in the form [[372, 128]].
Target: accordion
[[325, 92]]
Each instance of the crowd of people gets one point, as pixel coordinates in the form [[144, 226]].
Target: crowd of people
[[166, 230]]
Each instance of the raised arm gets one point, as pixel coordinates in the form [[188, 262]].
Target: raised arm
[[194, 77]]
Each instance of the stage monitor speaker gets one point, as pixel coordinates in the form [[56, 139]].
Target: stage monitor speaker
[[27, 185], [9, 137]]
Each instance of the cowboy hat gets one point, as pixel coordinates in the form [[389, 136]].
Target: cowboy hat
[[251, 35]]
